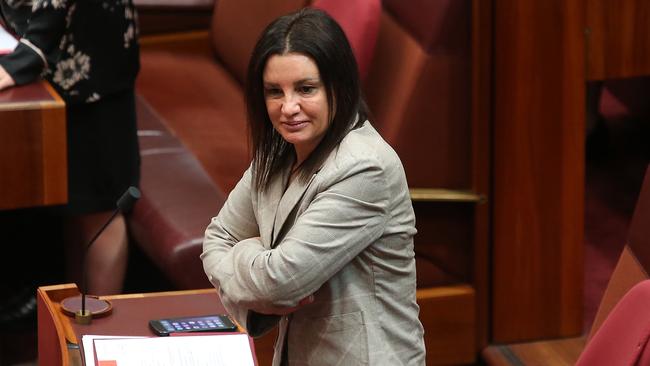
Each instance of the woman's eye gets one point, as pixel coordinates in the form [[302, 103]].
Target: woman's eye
[[272, 92], [307, 89]]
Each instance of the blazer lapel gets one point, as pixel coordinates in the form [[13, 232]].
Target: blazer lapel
[[287, 203], [268, 206]]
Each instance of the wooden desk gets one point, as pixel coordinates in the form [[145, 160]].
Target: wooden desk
[[59, 335], [33, 153]]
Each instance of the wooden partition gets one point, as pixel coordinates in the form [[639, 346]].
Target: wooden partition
[[33, 154], [617, 38], [631, 269], [538, 172]]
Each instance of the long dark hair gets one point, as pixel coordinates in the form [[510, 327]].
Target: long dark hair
[[313, 33]]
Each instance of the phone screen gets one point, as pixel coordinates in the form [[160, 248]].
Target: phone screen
[[205, 323]]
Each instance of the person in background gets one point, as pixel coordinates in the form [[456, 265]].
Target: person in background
[[317, 236], [88, 50]]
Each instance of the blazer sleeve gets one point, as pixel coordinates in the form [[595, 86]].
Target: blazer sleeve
[[29, 59], [234, 224], [346, 216]]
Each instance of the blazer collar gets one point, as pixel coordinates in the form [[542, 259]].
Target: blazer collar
[[287, 204], [277, 204]]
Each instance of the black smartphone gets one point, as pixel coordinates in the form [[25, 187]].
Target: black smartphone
[[204, 323]]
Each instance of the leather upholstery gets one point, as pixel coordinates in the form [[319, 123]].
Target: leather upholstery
[[360, 22], [435, 24], [412, 94], [639, 233], [178, 198], [627, 273], [236, 24], [211, 118], [625, 98], [623, 337], [634, 263]]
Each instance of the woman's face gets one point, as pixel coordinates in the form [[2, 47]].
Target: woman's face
[[296, 101]]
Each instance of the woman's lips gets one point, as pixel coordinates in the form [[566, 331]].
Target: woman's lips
[[294, 126]]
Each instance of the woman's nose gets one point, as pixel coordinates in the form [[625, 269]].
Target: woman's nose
[[290, 105]]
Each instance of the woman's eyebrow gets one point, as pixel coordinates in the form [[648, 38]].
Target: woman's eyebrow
[[297, 82], [308, 80]]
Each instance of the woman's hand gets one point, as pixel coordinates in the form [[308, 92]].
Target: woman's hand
[[6, 80], [278, 310]]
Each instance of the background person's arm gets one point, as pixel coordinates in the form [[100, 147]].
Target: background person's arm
[[39, 42]]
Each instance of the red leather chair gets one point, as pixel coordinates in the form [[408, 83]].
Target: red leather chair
[[623, 337], [621, 328]]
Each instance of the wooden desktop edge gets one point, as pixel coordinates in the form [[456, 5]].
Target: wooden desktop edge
[[56, 102], [49, 298]]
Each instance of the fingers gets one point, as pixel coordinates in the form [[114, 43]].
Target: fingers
[[5, 79]]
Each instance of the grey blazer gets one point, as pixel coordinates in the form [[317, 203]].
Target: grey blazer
[[345, 236]]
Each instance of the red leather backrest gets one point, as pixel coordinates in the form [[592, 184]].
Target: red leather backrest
[[434, 24], [236, 25], [419, 89], [634, 263], [360, 22]]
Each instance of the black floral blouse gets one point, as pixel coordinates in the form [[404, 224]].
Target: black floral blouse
[[85, 48]]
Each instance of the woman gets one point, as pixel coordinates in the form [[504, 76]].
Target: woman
[[88, 50], [318, 234]]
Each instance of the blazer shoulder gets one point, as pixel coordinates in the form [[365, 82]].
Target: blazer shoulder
[[365, 144]]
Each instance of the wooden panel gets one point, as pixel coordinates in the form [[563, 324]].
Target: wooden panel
[[449, 320], [33, 166], [52, 324], [444, 238], [538, 172], [561, 352], [618, 38], [481, 112]]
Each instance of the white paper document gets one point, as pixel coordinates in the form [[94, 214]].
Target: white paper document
[[88, 347], [7, 41], [213, 350]]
